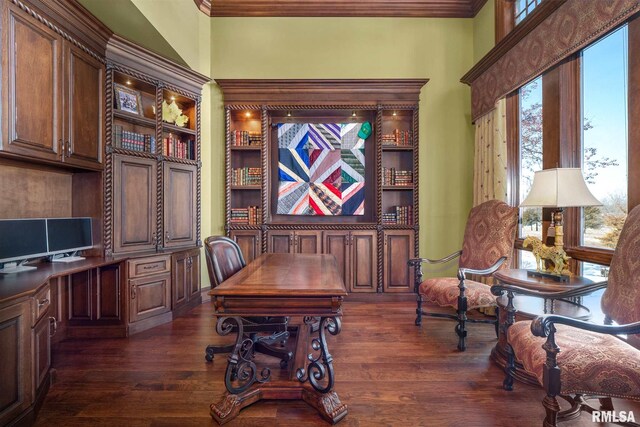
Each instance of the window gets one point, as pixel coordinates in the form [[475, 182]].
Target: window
[[524, 8], [604, 138], [530, 154]]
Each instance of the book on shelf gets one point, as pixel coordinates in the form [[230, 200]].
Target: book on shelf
[[244, 138], [248, 216], [399, 138], [175, 147], [246, 176], [400, 178], [134, 141], [399, 215]]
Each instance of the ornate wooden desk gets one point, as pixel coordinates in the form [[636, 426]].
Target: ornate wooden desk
[[304, 287], [528, 302]]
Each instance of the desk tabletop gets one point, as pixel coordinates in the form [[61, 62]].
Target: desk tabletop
[[519, 277], [285, 275]]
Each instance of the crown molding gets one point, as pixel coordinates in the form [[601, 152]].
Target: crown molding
[[343, 8]]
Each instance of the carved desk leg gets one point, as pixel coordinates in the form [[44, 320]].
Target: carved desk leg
[[240, 375], [320, 373]]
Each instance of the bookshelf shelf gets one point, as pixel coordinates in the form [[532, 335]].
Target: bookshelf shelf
[[135, 119], [167, 127], [397, 187], [396, 148], [246, 187], [245, 148]]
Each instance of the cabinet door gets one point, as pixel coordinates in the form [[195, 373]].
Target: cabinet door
[[249, 241], [194, 275], [179, 204], [398, 249], [134, 204], [84, 83], [149, 296], [308, 242], [79, 292], [364, 260], [180, 278], [280, 241], [336, 243], [32, 98], [15, 361], [41, 336]]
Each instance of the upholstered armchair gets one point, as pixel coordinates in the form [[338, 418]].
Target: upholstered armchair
[[224, 259], [571, 358], [487, 246]]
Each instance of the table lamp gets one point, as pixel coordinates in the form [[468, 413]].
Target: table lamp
[[558, 188]]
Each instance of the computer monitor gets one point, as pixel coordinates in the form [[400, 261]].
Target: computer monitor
[[66, 235], [22, 239]]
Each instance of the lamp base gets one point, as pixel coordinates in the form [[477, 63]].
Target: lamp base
[[556, 277]]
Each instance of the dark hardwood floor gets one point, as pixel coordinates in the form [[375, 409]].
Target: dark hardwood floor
[[389, 373]]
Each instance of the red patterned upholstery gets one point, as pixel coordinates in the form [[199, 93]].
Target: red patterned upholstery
[[621, 300], [444, 292], [590, 363], [489, 235]]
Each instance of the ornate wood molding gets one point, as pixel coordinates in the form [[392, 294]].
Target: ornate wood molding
[[554, 31], [368, 8], [129, 55], [325, 93]]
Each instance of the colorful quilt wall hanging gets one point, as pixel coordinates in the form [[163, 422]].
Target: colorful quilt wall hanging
[[321, 169]]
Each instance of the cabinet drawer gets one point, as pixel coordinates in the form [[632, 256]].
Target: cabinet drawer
[[148, 266], [42, 302]]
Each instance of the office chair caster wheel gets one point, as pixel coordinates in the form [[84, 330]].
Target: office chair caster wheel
[[209, 355], [284, 364]]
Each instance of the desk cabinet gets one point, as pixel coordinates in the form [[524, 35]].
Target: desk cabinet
[[149, 291], [299, 242], [16, 393], [185, 273]]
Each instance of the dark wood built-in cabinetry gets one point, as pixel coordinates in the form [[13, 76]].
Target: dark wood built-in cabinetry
[[371, 249], [69, 149]]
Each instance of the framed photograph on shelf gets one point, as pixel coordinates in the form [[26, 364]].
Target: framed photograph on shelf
[[128, 99]]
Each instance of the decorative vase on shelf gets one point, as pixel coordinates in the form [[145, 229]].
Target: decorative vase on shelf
[[172, 114]]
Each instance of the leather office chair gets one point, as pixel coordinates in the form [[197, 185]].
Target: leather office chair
[[487, 247], [224, 259], [578, 358]]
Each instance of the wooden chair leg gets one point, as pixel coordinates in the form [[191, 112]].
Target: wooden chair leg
[[552, 407], [509, 368], [496, 325], [462, 319], [419, 311]]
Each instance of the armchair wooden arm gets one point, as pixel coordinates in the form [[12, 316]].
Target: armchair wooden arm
[[541, 326], [415, 262], [500, 288]]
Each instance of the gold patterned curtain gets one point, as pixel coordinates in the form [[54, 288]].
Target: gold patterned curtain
[[490, 160]]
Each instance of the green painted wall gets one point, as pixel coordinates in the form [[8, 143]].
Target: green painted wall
[[441, 50], [484, 31], [124, 18], [438, 49]]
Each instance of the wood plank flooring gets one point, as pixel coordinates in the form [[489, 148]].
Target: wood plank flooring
[[388, 371]]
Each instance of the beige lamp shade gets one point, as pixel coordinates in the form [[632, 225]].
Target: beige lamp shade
[[559, 188]]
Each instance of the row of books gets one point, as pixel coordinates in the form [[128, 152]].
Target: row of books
[[399, 215], [246, 176], [174, 147], [251, 215], [134, 141], [391, 176], [400, 138], [244, 138]]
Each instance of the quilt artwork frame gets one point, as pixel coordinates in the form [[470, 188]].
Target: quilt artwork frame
[[321, 169]]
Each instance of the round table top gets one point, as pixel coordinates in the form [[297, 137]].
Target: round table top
[[519, 277]]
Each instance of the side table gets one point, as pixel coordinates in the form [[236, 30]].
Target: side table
[[526, 305]]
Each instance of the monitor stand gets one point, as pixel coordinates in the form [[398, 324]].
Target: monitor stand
[[66, 258], [14, 267]]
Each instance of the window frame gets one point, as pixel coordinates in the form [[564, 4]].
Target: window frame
[[562, 145]]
